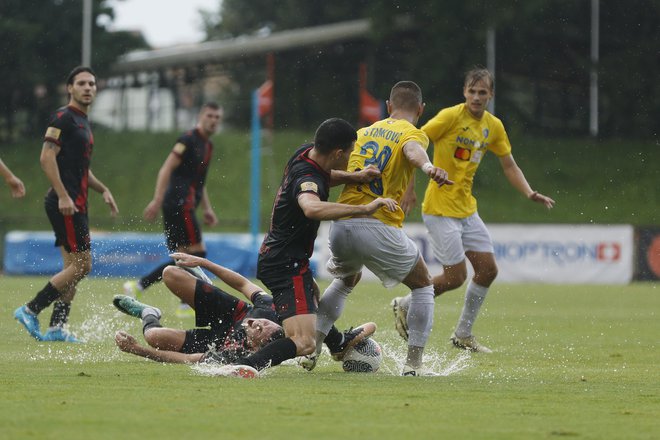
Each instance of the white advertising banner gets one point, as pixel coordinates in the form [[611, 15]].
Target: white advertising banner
[[553, 254]]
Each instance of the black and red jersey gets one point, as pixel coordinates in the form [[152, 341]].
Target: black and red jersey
[[69, 128], [187, 181], [289, 242]]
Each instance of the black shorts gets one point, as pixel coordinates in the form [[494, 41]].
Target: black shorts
[[217, 310], [293, 291], [71, 231], [181, 228]]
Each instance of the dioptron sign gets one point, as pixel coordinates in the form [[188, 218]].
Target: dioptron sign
[[554, 254], [564, 253]]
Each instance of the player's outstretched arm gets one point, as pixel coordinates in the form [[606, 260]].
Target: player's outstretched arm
[[517, 179], [129, 344], [365, 175], [417, 156], [234, 280], [316, 209]]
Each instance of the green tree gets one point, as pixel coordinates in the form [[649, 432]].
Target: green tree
[[542, 66], [40, 45]]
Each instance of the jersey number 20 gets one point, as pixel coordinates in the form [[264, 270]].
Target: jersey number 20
[[379, 158]]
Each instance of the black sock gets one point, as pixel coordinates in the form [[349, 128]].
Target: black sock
[[44, 298], [272, 354], [155, 275], [334, 339], [60, 314], [150, 321]]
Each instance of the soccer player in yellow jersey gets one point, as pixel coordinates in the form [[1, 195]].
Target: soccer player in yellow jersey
[[396, 147], [461, 136]]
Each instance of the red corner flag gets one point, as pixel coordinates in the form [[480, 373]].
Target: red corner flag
[[371, 109], [265, 95]]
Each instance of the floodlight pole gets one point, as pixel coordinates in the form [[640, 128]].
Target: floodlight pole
[[87, 33], [490, 61], [593, 86]]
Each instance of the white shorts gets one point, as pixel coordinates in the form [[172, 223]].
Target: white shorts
[[452, 237], [385, 250]]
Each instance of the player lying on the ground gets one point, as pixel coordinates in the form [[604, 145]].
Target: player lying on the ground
[[233, 327], [237, 328]]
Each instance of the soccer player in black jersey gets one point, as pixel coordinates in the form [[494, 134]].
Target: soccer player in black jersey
[[65, 159], [300, 205], [235, 328], [180, 188]]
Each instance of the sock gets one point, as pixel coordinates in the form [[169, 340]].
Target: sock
[[44, 298], [272, 354], [474, 298], [334, 339], [150, 321], [60, 314], [331, 305], [420, 316], [154, 276]]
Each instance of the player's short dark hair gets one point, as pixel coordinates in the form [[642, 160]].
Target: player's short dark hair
[[76, 71], [334, 133], [479, 73], [262, 313], [406, 95], [212, 105]]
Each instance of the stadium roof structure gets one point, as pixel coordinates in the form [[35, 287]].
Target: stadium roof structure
[[220, 50]]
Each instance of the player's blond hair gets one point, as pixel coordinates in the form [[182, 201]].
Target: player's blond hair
[[477, 74]]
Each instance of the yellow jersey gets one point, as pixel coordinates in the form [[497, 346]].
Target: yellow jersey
[[460, 143], [381, 144]]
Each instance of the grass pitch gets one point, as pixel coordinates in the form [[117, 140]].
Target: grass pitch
[[569, 361]]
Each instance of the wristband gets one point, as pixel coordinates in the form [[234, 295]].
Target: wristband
[[428, 166]]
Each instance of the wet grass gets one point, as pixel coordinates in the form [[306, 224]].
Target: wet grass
[[569, 361]]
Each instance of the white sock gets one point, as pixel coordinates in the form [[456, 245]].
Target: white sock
[[331, 305], [405, 302], [474, 298], [420, 316], [150, 311]]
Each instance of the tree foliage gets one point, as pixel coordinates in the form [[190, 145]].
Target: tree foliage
[[39, 46], [542, 65]]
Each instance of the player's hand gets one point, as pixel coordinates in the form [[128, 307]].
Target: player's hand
[[439, 176], [16, 186], [367, 174], [151, 211], [389, 204], [109, 200], [187, 260], [210, 218], [125, 342], [66, 206], [540, 198]]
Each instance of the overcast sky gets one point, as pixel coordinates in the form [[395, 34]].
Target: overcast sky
[[163, 22]]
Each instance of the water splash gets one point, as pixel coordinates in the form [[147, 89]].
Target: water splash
[[440, 364]]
